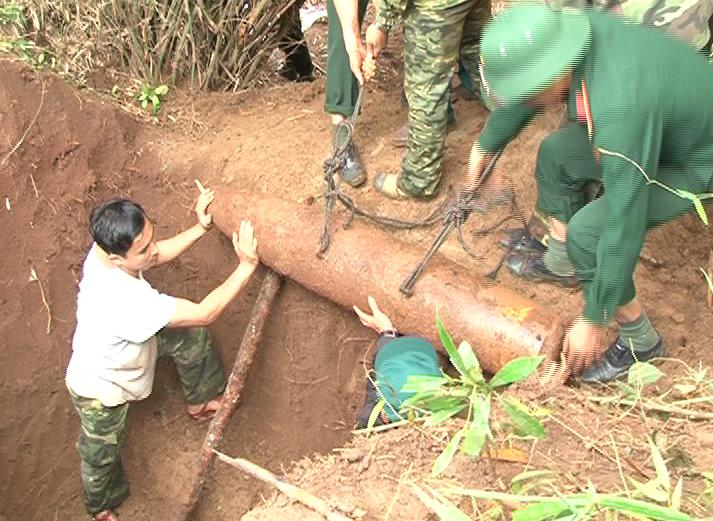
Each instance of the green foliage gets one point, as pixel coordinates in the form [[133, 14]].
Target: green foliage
[[151, 94], [12, 14], [443, 397], [13, 39]]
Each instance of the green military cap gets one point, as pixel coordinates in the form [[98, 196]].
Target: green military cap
[[528, 46]]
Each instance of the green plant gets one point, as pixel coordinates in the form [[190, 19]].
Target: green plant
[[660, 500], [151, 94], [442, 397], [13, 14]]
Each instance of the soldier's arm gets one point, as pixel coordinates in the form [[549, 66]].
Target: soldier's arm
[[503, 124], [348, 14], [191, 314]]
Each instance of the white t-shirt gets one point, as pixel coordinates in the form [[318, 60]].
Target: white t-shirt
[[114, 346]]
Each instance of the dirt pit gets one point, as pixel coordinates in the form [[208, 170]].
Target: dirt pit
[[301, 399]]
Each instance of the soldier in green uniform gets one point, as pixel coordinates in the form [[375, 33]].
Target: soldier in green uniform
[[123, 325], [397, 357], [634, 121], [436, 35], [692, 21]]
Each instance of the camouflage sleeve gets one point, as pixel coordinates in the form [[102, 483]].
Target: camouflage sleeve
[[390, 11]]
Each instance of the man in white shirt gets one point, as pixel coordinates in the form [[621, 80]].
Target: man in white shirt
[[123, 325]]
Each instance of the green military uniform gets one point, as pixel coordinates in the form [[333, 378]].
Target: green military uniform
[[100, 439], [342, 86], [396, 359], [436, 34], [651, 102]]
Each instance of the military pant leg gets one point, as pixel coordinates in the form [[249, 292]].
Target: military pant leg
[[587, 225], [342, 86], [565, 168], [102, 429], [432, 37], [198, 365]]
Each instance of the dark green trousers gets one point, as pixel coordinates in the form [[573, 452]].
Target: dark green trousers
[[102, 429], [565, 169], [342, 86]]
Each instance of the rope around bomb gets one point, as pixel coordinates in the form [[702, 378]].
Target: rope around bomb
[[333, 193]]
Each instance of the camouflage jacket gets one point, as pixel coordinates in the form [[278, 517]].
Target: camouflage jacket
[[687, 19]]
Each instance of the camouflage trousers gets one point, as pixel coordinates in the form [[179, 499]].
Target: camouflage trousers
[[435, 37], [102, 427]]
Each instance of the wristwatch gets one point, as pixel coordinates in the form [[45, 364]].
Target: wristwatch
[[391, 333]]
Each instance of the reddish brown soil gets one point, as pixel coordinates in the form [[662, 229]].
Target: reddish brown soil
[[306, 384]]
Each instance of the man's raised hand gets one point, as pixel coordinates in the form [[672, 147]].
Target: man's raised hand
[[204, 199], [377, 321], [245, 244]]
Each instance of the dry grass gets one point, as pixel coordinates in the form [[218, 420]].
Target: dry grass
[[207, 45]]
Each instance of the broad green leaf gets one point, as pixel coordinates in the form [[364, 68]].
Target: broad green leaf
[[374, 414], [421, 383], [444, 509], [642, 508], [144, 103], [523, 423], [541, 511], [677, 494], [662, 474], [444, 458], [443, 415], [433, 403], [479, 429], [470, 362], [161, 90], [516, 370], [450, 347], [643, 373]]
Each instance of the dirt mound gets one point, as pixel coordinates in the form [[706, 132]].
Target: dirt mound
[[375, 478], [56, 147], [307, 381], [73, 152]]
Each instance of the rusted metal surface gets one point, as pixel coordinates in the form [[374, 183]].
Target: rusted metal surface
[[238, 376], [363, 260]]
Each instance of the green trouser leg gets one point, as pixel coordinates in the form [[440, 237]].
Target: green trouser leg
[[342, 86], [434, 38], [198, 365], [565, 168], [102, 430]]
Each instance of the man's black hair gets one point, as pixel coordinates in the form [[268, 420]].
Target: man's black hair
[[115, 224]]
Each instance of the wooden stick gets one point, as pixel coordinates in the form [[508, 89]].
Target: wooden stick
[[656, 407], [244, 359], [291, 491]]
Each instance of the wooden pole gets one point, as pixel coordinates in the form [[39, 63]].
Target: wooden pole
[[291, 491], [243, 360]]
